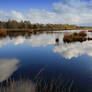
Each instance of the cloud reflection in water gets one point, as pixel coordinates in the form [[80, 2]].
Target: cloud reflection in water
[[7, 67], [69, 51], [35, 40]]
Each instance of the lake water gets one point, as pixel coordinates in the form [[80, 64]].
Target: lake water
[[38, 56]]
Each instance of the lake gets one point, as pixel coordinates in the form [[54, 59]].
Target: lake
[[38, 62]]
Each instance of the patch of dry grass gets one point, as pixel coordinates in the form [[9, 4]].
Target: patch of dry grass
[[3, 34], [75, 37], [38, 84]]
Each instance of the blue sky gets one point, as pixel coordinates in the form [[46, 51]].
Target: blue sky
[[48, 11], [23, 5]]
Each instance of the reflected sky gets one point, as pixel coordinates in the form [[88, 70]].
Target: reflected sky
[[35, 40], [72, 50]]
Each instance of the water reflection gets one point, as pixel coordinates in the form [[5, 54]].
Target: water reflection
[[39, 50], [66, 50], [7, 67], [34, 40], [74, 49]]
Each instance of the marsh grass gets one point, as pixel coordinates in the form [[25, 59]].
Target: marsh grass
[[3, 34], [75, 37], [38, 84], [89, 38]]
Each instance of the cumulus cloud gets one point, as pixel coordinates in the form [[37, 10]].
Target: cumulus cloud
[[40, 16], [65, 11], [74, 11], [4, 16], [7, 67], [17, 16]]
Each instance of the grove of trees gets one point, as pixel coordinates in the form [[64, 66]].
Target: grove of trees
[[13, 24]]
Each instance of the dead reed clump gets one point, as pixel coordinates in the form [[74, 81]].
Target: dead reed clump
[[89, 38], [31, 31], [3, 33], [75, 37], [57, 40]]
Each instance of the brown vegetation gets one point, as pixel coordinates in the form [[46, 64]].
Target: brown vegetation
[[31, 31], [3, 34], [89, 38], [39, 85], [57, 40], [89, 30], [75, 37]]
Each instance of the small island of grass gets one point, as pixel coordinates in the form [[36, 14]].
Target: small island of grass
[[81, 36]]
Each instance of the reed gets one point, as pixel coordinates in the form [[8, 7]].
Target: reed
[[38, 84]]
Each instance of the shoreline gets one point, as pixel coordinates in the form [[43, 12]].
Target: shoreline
[[42, 30]]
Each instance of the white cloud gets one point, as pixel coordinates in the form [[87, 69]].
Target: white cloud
[[40, 16], [7, 67], [74, 11], [4, 16], [17, 16], [66, 11]]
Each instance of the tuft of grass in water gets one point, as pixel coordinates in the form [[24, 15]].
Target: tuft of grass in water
[[3, 34], [75, 37], [89, 38]]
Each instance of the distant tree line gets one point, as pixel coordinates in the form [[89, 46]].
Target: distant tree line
[[13, 24]]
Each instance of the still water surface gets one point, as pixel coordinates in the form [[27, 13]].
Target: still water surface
[[39, 56]]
